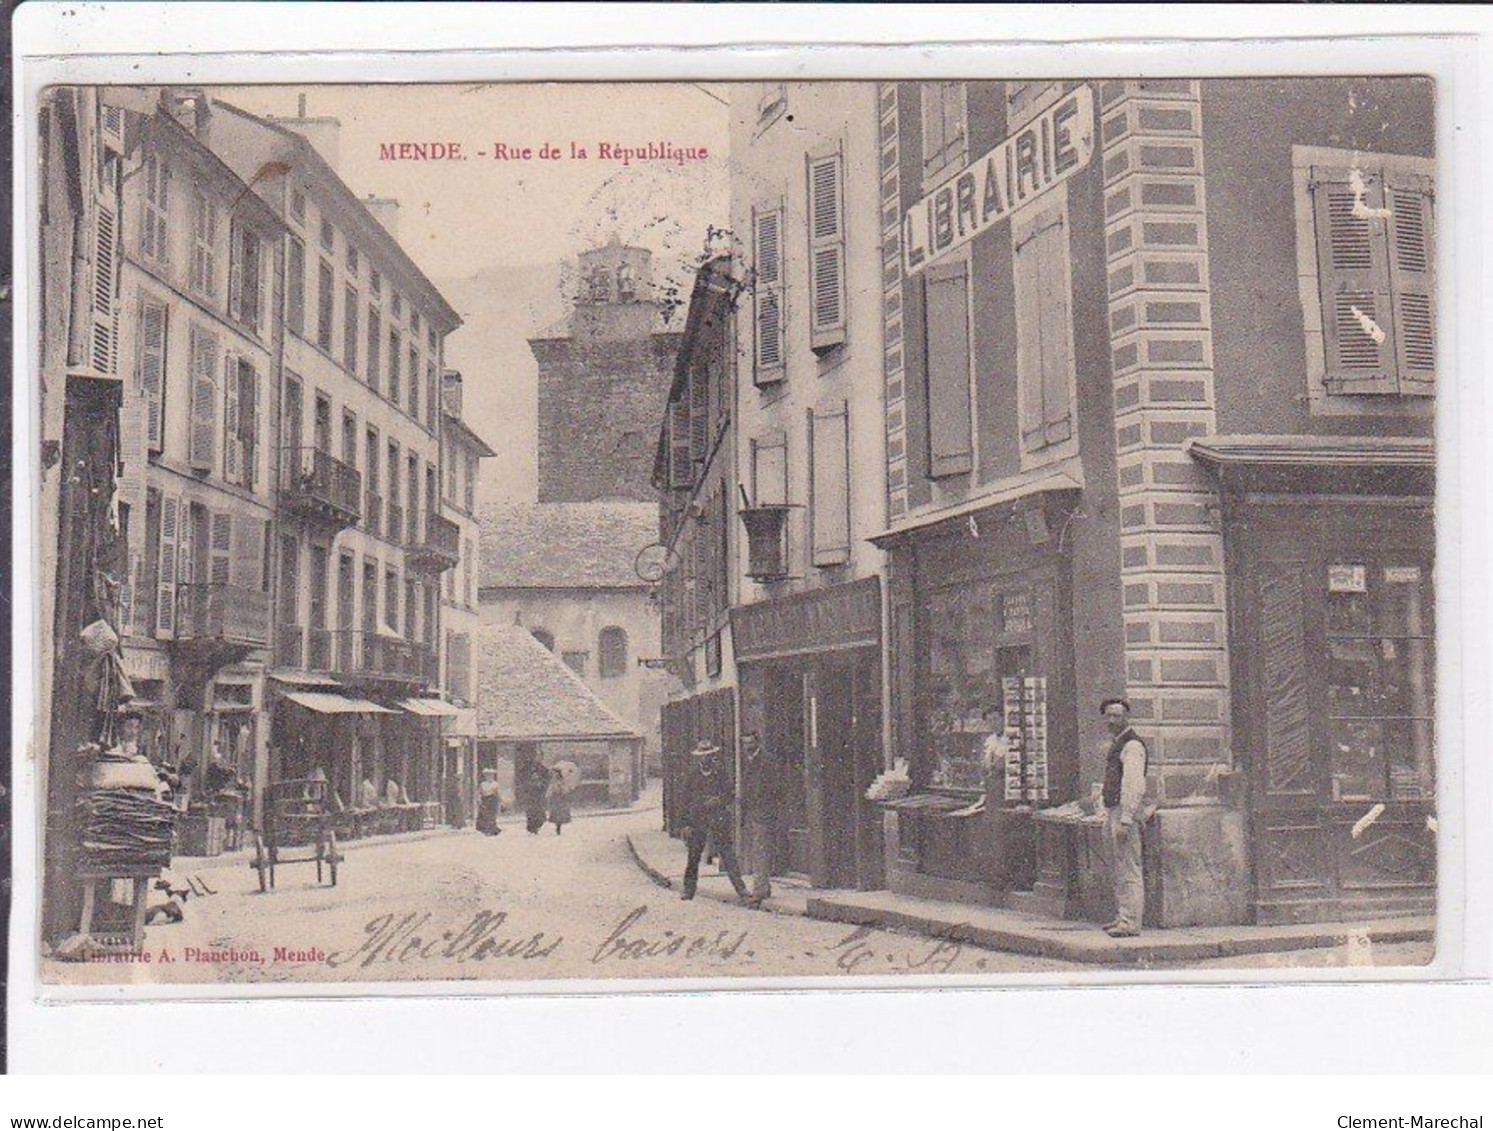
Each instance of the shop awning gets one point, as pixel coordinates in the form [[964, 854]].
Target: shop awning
[[430, 708], [1315, 451], [465, 725], [304, 679], [325, 703], [1065, 475]]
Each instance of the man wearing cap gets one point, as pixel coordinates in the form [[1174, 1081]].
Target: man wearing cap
[[709, 816], [1124, 794]]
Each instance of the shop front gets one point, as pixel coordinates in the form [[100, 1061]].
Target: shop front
[[1330, 549], [809, 669], [981, 646]]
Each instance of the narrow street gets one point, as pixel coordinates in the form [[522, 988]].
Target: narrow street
[[460, 906]]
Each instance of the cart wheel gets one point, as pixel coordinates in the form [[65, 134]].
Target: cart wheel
[[260, 863], [332, 856]]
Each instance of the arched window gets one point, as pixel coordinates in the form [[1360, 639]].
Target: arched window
[[627, 284], [599, 285], [612, 652], [544, 636]]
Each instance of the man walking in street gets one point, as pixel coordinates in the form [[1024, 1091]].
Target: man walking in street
[[710, 794], [760, 774], [1124, 796]]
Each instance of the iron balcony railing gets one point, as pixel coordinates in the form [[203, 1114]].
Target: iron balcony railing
[[440, 547], [318, 484], [361, 654], [227, 614]]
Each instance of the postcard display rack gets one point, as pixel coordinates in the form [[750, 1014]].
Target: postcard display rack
[[1025, 701]]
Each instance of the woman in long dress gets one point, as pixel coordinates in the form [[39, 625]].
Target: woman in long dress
[[491, 800], [558, 798]]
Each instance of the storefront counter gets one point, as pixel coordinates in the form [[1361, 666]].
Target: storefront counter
[[940, 850]]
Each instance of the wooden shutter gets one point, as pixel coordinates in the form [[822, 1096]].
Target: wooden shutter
[[252, 276], [770, 469], [202, 440], [170, 533], [767, 298], [235, 272], [1353, 274], [153, 321], [699, 417], [949, 430], [220, 548], [233, 444], [829, 454], [1044, 330], [248, 411], [295, 295], [826, 251], [681, 473], [247, 553], [105, 327], [1412, 269]]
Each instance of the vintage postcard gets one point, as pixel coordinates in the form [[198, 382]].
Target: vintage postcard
[[540, 533]]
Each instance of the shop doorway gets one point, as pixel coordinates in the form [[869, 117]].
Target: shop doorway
[[784, 730]]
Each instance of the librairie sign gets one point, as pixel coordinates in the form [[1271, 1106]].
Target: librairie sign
[[1041, 155]]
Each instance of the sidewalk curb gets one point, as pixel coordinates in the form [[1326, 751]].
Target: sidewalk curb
[[649, 870], [1143, 951]]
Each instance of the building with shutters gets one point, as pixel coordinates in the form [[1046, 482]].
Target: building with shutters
[[198, 349], [360, 540], [81, 557], [695, 472], [1158, 377], [462, 453], [806, 616]]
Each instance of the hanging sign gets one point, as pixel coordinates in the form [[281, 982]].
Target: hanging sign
[[1041, 155]]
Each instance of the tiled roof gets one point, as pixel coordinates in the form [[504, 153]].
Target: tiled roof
[[526, 692], [565, 545]]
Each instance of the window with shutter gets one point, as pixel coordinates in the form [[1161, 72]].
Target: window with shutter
[[943, 119], [350, 330], [233, 446], [826, 213], [167, 543], [699, 417], [154, 242], [235, 271], [204, 275], [220, 549], [152, 370], [324, 303], [767, 298], [1044, 330], [244, 277], [770, 470], [829, 455], [1412, 280], [1353, 272], [105, 328], [295, 292], [248, 422], [247, 549], [375, 340], [203, 435], [946, 290], [414, 372], [681, 471], [394, 365]]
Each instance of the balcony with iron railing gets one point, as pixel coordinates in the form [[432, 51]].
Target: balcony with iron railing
[[316, 484], [372, 655], [212, 613], [438, 549]]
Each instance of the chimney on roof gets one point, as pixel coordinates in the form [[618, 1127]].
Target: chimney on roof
[[191, 107], [385, 210], [451, 393], [324, 134]]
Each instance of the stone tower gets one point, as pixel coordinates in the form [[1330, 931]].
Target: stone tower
[[604, 376]]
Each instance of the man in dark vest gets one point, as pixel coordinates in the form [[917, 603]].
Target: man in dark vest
[[710, 815], [1124, 796]]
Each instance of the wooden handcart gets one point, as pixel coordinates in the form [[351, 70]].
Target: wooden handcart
[[297, 814]]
